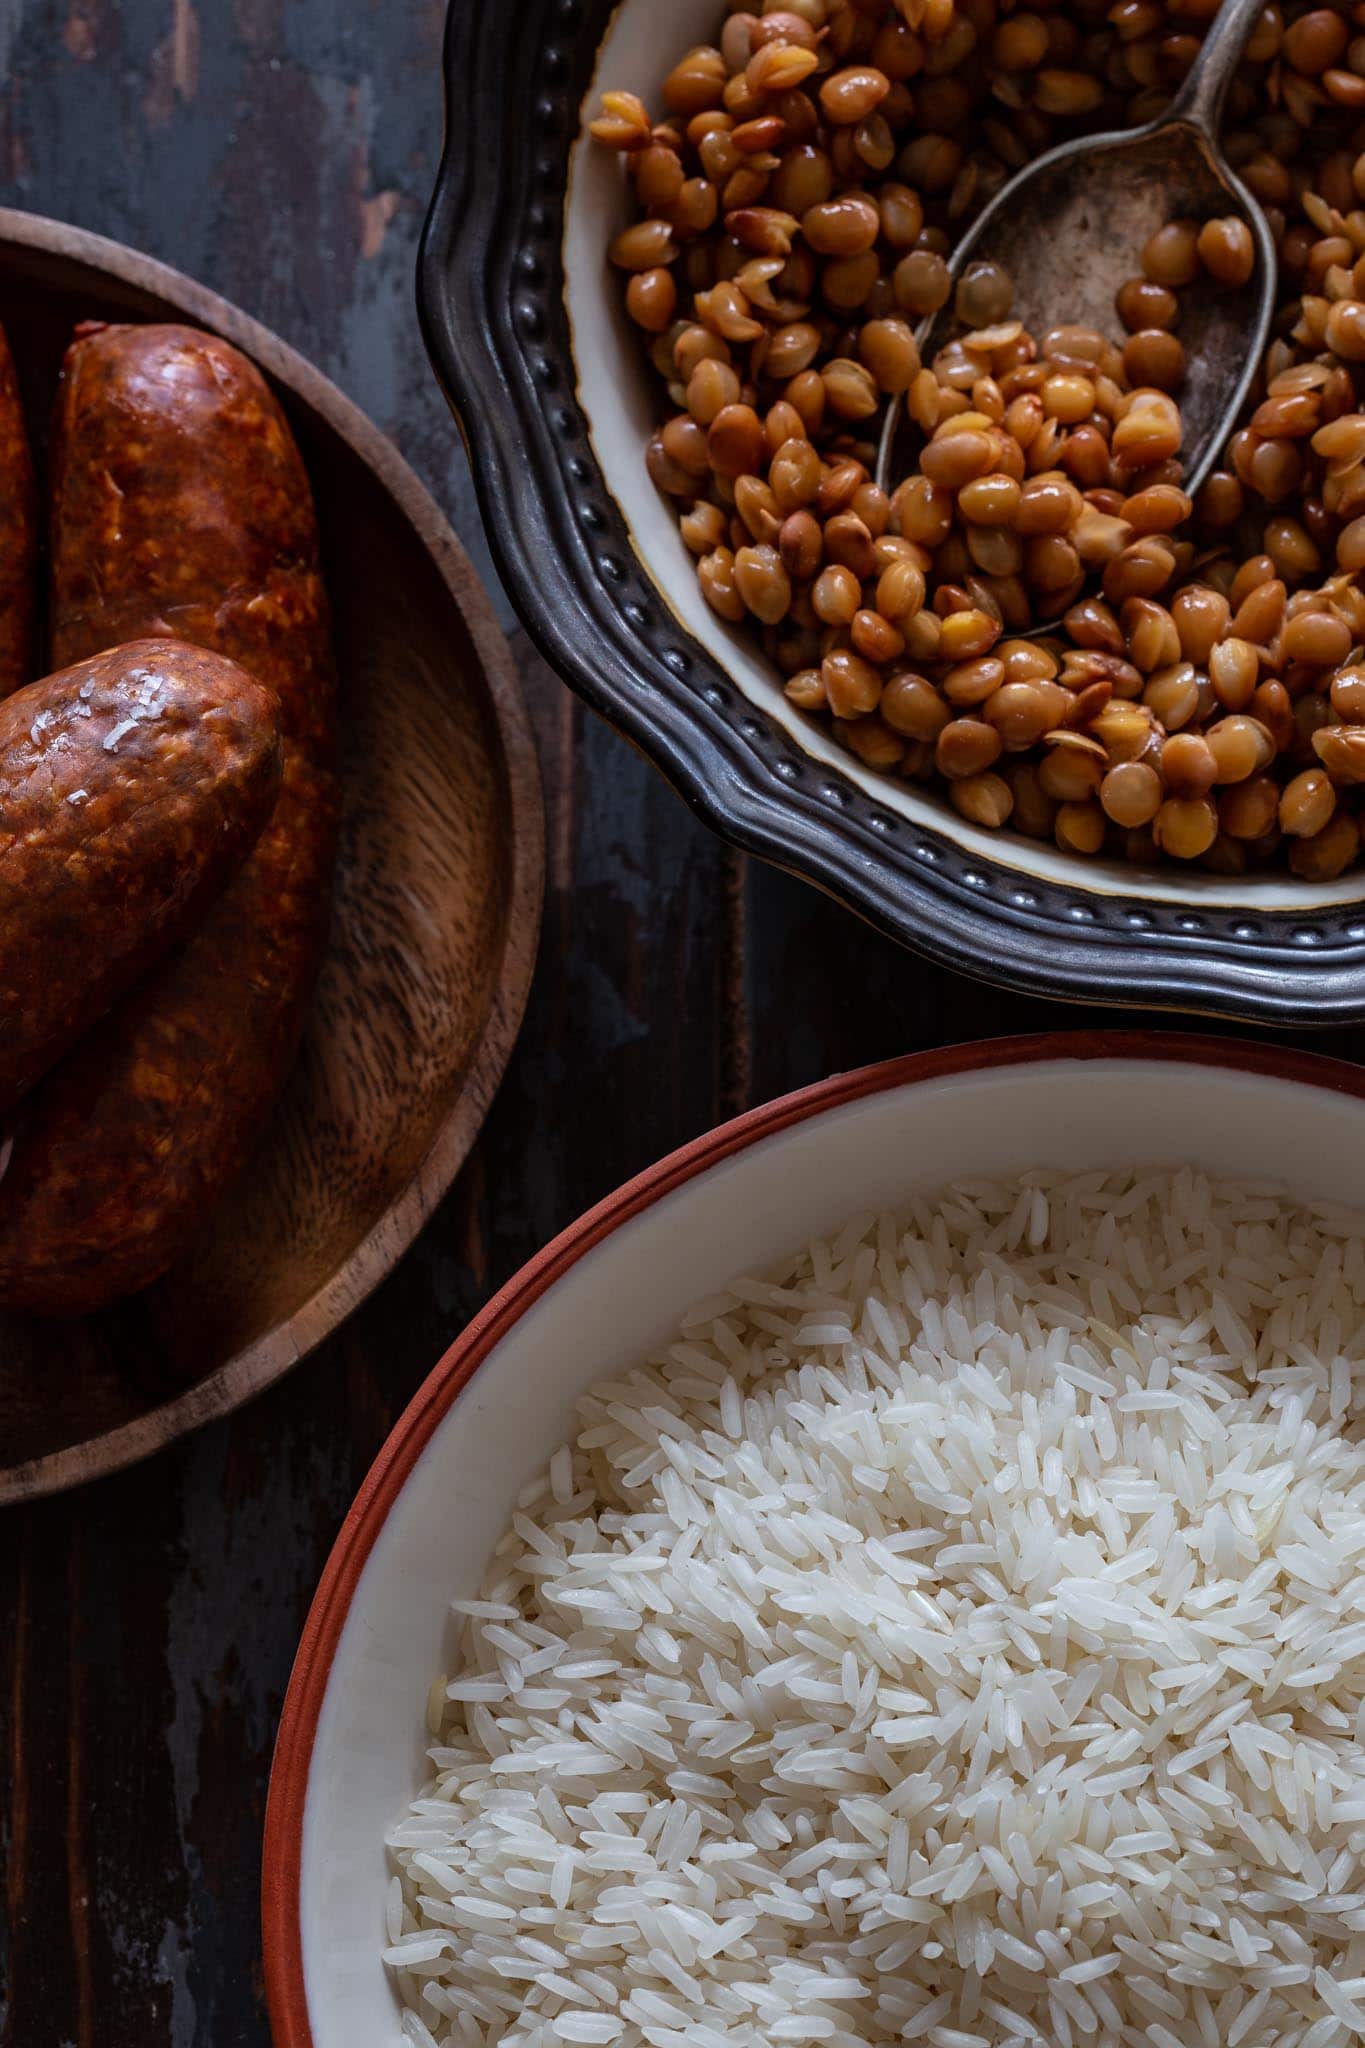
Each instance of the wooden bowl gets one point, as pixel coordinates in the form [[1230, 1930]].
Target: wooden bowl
[[435, 917]]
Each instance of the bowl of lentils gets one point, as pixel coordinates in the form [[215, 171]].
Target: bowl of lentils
[[1022, 699]]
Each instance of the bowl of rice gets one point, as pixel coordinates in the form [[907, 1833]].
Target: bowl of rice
[[892, 1572]]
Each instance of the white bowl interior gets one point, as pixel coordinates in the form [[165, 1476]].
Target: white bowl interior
[[624, 1297], [619, 395]]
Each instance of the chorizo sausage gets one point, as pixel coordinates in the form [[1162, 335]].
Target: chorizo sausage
[[18, 533], [180, 505], [132, 787]]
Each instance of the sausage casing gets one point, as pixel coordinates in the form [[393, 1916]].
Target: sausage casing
[[18, 533], [180, 505], [132, 788]]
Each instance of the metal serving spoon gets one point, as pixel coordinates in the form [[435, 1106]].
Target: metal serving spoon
[[1070, 228]]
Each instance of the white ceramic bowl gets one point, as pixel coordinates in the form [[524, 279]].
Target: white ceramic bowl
[[350, 1749], [620, 398]]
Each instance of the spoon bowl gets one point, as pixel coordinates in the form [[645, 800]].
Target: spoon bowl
[[1070, 229]]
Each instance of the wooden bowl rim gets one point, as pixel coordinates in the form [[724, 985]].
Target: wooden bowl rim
[[287, 1799], [272, 1354]]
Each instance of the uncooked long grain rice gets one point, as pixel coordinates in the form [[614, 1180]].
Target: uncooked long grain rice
[[958, 1636]]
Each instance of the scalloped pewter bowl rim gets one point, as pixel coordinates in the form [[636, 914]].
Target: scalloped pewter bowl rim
[[591, 590]]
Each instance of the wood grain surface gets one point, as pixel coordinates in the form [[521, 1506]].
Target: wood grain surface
[[281, 150]]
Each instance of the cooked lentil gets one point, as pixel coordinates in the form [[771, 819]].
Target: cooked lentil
[[1200, 692]]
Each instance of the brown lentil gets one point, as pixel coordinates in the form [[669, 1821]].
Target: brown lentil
[[1270, 702], [875, 638], [873, 742], [984, 799], [850, 95], [911, 705], [1261, 613], [1171, 256], [1079, 827], [807, 688], [887, 348], [852, 685], [1153, 356], [1140, 304], [716, 574], [1221, 501], [1022, 712], [1153, 639], [1317, 637], [1329, 852], [1315, 41], [835, 596], [1307, 804], [966, 747], [1172, 695], [1240, 747], [1131, 793], [652, 299], [984, 295], [921, 282], [1226, 250], [1188, 765], [1071, 773], [1034, 811], [801, 543], [1249, 809], [1185, 826], [1341, 750], [1160, 508]]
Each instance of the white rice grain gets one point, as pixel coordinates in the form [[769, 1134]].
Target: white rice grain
[[953, 1636]]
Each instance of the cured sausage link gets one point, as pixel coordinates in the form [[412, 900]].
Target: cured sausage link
[[181, 506], [132, 788]]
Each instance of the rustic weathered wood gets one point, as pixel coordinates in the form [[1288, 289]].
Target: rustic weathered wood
[[435, 917], [283, 154]]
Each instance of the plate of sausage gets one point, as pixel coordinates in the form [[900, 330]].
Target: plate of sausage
[[271, 856]]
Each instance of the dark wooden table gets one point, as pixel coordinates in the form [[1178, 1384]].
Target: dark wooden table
[[282, 151]]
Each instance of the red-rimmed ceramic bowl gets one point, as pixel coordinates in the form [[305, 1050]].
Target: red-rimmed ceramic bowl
[[350, 1748]]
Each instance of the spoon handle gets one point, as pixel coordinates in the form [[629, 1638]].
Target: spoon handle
[[1199, 101]]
